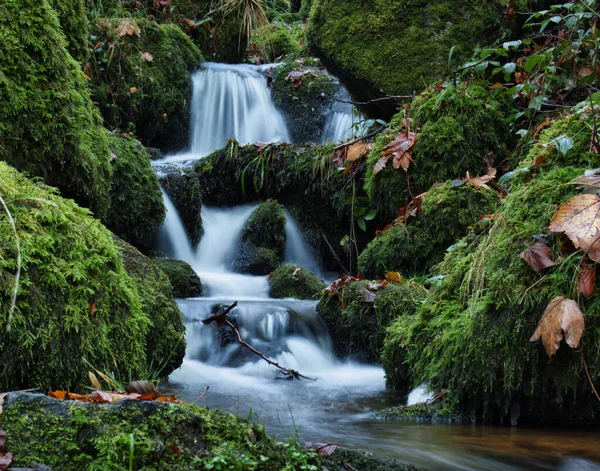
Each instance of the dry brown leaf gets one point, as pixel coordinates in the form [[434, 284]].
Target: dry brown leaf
[[592, 179], [295, 272], [128, 28], [586, 283], [579, 219], [394, 277], [481, 182], [357, 151], [133, 90], [94, 380], [326, 450], [141, 388], [101, 397], [538, 256], [380, 165], [400, 149], [147, 56], [561, 316], [62, 395], [539, 160]]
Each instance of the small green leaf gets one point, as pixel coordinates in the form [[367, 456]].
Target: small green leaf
[[361, 223], [510, 67], [371, 215]]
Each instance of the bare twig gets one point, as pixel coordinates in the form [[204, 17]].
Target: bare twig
[[13, 302], [588, 375], [374, 100], [362, 138], [335, 255], [201, 395]]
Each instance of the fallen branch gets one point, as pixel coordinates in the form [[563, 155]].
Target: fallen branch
[[588, 376], [221, 320], [201, 395], [362, 138], [331, 249]]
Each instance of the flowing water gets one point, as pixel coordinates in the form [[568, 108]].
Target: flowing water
[[338, 406]]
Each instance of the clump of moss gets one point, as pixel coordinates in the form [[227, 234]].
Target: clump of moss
[[137, 209], [305, 105], [141, 79], [471, 337], [49, 126], [184, 280], [415, 247], [185, 193], [263, 240], [75, 301], [357, 324], [74, 23], [461, 129], [290, 281], [421, 412], [274, 41], [165, 341], [393, 47]]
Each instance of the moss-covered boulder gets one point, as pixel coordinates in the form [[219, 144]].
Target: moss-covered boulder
[[393, 47], [415, 247], [141, 79], [183, 188], [275, 40], [471, 336], [291, 281], [75, 300], [304, 92], [137, 209], [358, 313], [49, 126], [184, 280], [263, 240], [460, 129], [74, 23]]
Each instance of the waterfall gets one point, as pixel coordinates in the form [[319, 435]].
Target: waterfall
[[296, 249], [173, 239]]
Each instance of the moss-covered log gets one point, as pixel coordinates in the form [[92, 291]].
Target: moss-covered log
[[291, 281], [49, 126], [184, 280]]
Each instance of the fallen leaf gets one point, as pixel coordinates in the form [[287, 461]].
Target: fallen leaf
[[400, 149], [374, 286], [3, 397], [394, 277], [94, 380], [92, 308], [337, 285], [368, 296], [538, 256], [357, 151], [128, 28], [175, 449], [5, 460], [380, 165], [326, 450], [133, 90], [147, 396], [296, 271], [147, 57], [539, 160], [586, 283], [78, 397], [579, 219], [481, 182], [62, 395], [561, 316], [142, 387]]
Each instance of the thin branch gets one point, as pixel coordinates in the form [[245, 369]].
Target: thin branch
[[362, 138], [333, 252], [374, 100], [588, 376], [201, 395], [18, 274]]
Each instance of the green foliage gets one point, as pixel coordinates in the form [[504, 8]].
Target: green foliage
[[75, 299], [165, 342], [395, 47], [184, 280], [357, 327], [74, 23], [137, 209], [48, 124], [462, 129], [415, 247], [290, 281], [143, 82], [275, 40]]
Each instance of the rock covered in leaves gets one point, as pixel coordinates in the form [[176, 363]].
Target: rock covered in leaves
[[137, 209], [184, 280], [491, 302], [263, 240], [291, 281], [357, 313], [415, 244], [49, 126], [456, 129]]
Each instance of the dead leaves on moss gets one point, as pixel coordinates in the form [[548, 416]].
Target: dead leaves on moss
[[562, 318], [538, 256], [586, 282], [128, 28], [399, 150]]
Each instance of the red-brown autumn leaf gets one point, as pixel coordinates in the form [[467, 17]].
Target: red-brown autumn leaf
[[579, 219], [326, 450], [394, 277], [400, 149], [538, 256], [481, 182], [358, 150], [561, 316], [586, 283]]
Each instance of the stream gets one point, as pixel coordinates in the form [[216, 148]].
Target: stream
[[337, 407]]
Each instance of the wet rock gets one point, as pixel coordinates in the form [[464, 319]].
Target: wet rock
[[184, 280], [291, 281]]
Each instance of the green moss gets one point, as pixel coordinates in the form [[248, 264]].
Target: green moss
[[143, 83], [75, 299], [290, 281], [74, 23], [347, 459], [73, 436], [357, 327], [415, 247], [305, 106], [48, 124], [395, 47], [420, 412], [461, 129], [137, 209], [471, 337], [274, 41], [184, 280]]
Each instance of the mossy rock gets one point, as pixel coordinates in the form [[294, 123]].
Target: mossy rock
[[393, 47], [305, 106], [184, 280], [75, 301], [478, 323], [74, 23], [357, 327], [183, 188], [415, 247], [141, 79], [291, 281], [459, 128], [49, 126], [422, 412], [263, 240], [165, 341], [71, 436], [344, 458], [274, 41], [137, 209]]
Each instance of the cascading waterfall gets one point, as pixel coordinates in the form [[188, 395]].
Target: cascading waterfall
[[296, 249]]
